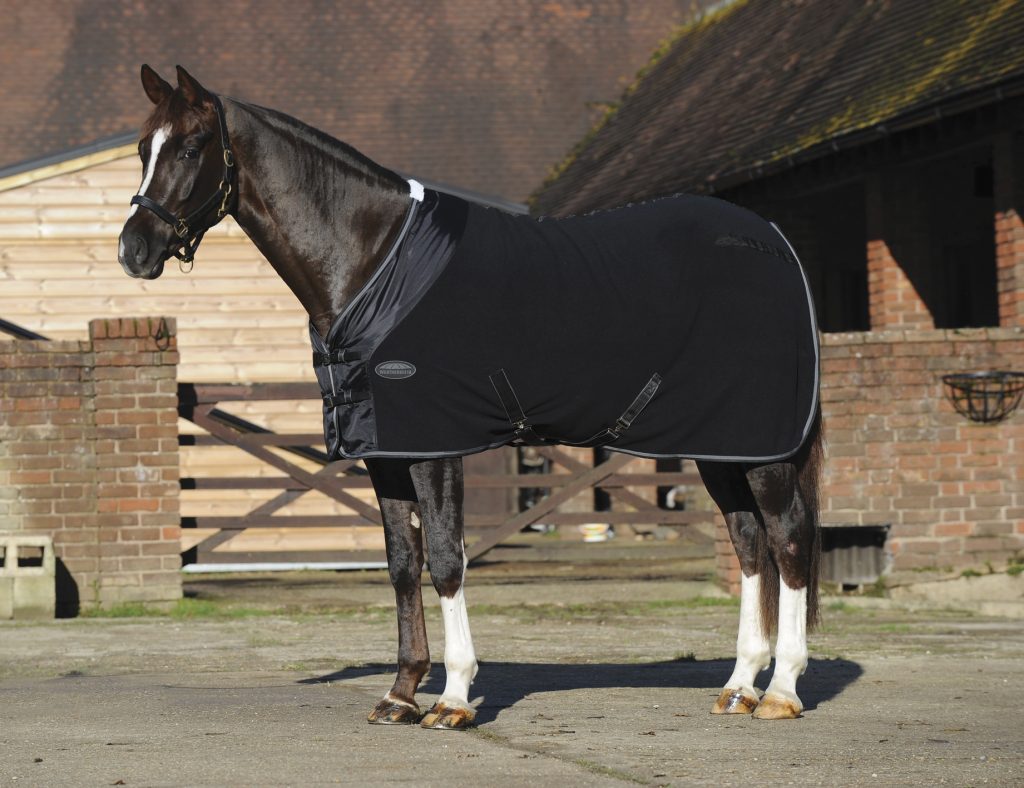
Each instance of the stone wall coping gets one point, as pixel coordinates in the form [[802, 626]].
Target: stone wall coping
[[23, 346], [890, 336]]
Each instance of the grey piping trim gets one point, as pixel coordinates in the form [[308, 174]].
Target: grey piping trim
[[389, 258], [434, 455], [814, 334]]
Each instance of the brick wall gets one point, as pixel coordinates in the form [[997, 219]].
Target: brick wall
[[1008, 153], [893, 298], [89, 455], [898, 453]]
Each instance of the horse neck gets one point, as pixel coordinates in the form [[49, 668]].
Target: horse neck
[[322, 214]]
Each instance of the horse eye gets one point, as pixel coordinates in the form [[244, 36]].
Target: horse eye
[[191, 153]]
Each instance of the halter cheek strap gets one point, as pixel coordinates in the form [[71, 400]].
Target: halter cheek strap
[[185, 226]]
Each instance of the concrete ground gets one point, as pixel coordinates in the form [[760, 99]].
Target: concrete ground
[[598, 673]]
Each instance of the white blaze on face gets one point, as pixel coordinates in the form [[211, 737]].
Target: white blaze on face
[[159, 138]]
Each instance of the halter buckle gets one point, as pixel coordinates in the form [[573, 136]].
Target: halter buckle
[[229, 158], [226, 188], [183, 261], [181, 228]]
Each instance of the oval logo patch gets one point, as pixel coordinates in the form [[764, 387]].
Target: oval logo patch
[[395, 370]]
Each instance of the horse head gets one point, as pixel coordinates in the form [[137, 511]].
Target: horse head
[[187, 175]]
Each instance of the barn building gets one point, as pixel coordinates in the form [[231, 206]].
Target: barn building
[[480, 97], [887, 140]]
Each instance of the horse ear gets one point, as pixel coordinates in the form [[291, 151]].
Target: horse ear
[[156, 87], [194, 93]]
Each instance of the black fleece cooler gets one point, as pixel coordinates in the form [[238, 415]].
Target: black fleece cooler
[[682, 327]]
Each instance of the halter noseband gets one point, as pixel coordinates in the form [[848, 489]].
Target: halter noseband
[[184, 226]]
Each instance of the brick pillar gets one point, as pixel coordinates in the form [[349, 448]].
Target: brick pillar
[[137, 459], [89, 456], [893, 302], [47, 464], [727, 565], [1008, 166]]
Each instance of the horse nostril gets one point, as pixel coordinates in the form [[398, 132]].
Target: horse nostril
[[139, 250]]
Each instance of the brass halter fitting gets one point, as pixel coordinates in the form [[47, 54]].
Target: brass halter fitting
[[226, 188]]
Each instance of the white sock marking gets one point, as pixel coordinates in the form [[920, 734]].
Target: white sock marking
[[753, 652], [459, 657], [791, 645], [159, 138]]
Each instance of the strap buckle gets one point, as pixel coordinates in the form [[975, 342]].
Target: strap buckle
[[226, 188]]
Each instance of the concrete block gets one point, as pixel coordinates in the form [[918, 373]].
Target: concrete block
[[27, 576]]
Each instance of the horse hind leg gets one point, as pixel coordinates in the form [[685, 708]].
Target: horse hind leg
[[403, 540], [788, 505], [439, 487], [728, 486]]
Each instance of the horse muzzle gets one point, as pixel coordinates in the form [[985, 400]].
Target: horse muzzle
[[138, 259]]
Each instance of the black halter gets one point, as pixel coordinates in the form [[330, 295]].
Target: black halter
[[185, 226]]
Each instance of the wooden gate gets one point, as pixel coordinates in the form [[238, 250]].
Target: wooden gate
[[292, 454]]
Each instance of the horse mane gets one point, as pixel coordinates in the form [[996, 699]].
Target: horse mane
[[312, 140], [313, 148]]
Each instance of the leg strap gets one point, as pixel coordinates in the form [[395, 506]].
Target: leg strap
[[523, 430], [525, 433]]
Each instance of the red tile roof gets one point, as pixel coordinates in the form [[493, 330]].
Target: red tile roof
[[480, 94], [760, 83]]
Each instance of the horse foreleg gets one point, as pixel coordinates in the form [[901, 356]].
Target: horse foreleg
[[791, 532], [396, 495], [439, 488]]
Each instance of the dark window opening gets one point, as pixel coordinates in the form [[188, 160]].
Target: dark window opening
[[853, 555], [29, 556]]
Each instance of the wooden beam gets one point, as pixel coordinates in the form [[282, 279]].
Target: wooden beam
[[516, 523], [328, 486], [68, 166], [627, 497]]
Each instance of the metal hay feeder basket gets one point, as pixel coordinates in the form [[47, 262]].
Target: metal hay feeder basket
[[985, 397]]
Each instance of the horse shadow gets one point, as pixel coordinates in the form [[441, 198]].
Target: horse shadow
[[503, 684]]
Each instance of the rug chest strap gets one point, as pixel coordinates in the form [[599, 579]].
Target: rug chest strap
[[524, 431], [346, 397], [336, 356]]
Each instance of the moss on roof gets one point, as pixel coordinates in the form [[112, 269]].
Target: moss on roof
[[920, 74], [760, 81]]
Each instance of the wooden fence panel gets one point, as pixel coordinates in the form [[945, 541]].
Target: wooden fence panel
[[346, 482]]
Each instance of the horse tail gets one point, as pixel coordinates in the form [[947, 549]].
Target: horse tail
[[810, 465], [809, 460]]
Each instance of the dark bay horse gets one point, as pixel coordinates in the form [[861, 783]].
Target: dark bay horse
[[325, 216]]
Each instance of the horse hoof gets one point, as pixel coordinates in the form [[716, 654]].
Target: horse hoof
[[451, 718], [733, 701], [778, 707], [392, 712]]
